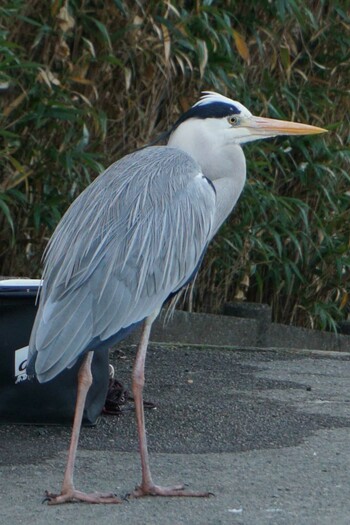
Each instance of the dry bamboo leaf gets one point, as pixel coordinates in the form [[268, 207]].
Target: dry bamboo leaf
[[138, 21], [85, 99], [203, 56], [149, 72], [90, 47], [172, 8], [187, 60], [54, 8], [65, 20], [127, 75], [293, 48], [4, 85], [17, 179], [180, 27], [81, 70], [157, 30], [62, 51], [301, 73], [167, 43], [181, 64], [185, 103], [320, 235], [241, 46], [14, 104], [239, 295], [344, 301], [48, 78], [80, 80], [245, 281], [22, 173]]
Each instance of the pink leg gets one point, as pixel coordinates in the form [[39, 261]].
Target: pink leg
[[147, 487], [69, 493]]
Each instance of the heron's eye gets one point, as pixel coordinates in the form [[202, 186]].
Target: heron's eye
[[233, 120]]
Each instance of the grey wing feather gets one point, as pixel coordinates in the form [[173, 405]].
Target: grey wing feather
[[133, 237]]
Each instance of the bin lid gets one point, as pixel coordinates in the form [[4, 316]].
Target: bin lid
[[19, 287]]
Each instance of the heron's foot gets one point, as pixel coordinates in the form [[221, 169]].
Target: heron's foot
[[177, 490], [74, 496]]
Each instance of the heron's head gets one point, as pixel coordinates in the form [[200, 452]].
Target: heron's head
[[230, 122]]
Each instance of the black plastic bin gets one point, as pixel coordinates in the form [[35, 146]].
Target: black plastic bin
[[29, 402]]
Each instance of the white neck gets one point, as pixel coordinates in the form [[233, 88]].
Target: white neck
[[221, 160]]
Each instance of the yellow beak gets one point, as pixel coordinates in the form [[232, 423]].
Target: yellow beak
[[272, 127]]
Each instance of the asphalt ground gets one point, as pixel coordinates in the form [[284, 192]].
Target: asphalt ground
[[266, 431]]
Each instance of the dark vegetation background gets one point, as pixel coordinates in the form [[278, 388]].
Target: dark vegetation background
[[84, 82]]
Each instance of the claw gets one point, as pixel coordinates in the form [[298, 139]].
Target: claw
[[47, 498]]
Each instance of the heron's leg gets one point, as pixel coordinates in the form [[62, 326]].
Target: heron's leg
[[147, 486], [69, 493]]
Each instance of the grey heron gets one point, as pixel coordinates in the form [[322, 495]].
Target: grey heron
[[134, 237]]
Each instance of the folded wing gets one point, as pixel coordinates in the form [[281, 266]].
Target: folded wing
[[132, 238]]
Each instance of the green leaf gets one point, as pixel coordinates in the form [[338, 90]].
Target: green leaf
[[6, 211]]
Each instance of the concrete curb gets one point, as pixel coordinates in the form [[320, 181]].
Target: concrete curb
[[226, 331]]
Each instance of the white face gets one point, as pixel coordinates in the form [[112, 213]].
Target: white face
[[231, 127], [218, 122], [241, 126]]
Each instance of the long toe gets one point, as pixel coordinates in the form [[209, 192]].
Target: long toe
[[177, 490], [76, 496]]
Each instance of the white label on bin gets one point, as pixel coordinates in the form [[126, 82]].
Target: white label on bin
[[21, 356]]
